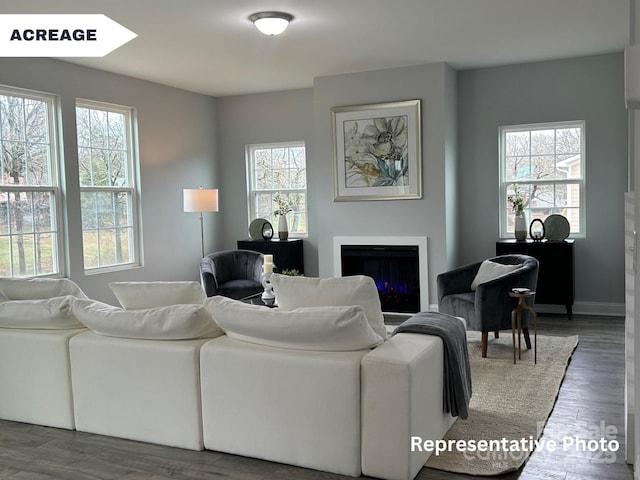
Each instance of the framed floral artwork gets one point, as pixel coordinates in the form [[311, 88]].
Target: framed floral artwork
[[377, 151]]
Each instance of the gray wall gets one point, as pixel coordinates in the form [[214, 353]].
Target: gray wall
[[589, 89], [306, 115], [177, 143], [433, 216], [261, 118]]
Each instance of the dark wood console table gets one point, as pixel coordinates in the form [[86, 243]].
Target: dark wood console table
[[287, 254], [555, 275]]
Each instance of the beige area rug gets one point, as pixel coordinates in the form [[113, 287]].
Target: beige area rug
[[509, 401]]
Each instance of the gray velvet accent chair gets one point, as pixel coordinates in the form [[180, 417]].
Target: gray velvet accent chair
[[488, 308], [232, 273]]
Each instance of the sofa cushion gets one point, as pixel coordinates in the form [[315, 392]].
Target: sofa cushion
[[37, 288], [44, 313], [335, 328], [140, 295], [294, 292], [490, 270], [174, 322]]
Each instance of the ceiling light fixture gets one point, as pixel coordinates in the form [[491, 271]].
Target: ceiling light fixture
[[271, 23]]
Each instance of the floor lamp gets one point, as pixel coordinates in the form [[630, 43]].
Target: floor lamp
[[200, 200]]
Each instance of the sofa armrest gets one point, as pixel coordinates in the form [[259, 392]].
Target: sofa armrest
[[402, 397]]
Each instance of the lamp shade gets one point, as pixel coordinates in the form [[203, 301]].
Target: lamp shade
[[200, 200], [271, 23]]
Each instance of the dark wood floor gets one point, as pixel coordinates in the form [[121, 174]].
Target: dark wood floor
[[592, 393]]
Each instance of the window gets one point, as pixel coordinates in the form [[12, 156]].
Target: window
[[107, 163], [545, 162], [29, 185], [278, 168]]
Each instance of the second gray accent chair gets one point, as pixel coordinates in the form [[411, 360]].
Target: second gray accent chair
[[488, 308]]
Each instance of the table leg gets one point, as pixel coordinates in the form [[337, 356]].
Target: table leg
[[513, 334], [519, 316]]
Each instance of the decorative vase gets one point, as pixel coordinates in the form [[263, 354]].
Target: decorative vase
[[521, 229], [283, 228]]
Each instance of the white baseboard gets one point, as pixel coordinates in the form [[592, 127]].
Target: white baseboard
[[579, 308], [585, 308]]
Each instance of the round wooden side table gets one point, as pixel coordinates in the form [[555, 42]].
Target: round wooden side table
[[516, 321]]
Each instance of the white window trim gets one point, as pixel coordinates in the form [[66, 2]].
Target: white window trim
[[133, 188], [504, 184], [252, 192], [57, 182]]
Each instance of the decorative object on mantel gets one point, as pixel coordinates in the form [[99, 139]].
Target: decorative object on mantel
[[557, 227], [267, 231], [268, 297], [517, 207], [285, 205], [377, 151], [256, 228], [537, 233]]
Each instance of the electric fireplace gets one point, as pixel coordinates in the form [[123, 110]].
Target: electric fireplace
[[394, 269], [396, 264]]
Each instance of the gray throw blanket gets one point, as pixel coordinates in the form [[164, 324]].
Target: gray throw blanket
[[457, 373]]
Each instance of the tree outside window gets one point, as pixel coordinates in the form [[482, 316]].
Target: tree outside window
[[29, 185]]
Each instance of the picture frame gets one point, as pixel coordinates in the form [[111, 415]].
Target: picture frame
[[377, 151]]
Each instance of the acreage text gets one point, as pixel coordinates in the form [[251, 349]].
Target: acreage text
[[54, 35]]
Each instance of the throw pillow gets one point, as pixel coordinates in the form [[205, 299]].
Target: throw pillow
[[338, 328], [489, 270], [295, 292], [140, 295], [47, 314], [174, 322], [38, 288]]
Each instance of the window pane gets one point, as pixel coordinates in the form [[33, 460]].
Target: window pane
[[518, 168], [106, 163], [542, 142], [117, 134], [28, 234], [518, 144], [38, 165], [569, 166], [108, 228], [90, 248], [28, 224]]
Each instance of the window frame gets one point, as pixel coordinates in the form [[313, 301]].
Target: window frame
[[59, 260], [504, 184], [132, 189], [252, 192]]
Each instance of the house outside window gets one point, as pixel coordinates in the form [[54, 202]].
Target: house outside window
[[30, 229], [546, 164], [278, 168], [107, 164]]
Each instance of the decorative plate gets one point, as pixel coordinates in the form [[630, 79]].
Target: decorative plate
[[556, 227], [255, 228]]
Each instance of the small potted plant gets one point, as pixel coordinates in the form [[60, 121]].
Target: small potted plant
[[517, 207], [285, 205]]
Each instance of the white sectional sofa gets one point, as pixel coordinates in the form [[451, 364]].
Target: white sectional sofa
[[317, 386]]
